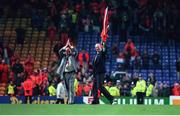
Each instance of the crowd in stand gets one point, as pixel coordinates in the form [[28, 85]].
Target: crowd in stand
[[144, 17], [44, 81], [131, 58], [67, 18]]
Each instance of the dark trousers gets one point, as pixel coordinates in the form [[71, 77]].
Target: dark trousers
[[60, 101], [140, 97], [28, 99], [98, 85]]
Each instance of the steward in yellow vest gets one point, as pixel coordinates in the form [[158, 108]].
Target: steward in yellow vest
[[140, 90], [149, 90], [114, 91]]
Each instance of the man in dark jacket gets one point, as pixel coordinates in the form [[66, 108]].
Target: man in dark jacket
[[17, 68], [99, 73]]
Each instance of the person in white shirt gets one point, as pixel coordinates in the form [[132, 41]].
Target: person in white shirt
[[60, 92]]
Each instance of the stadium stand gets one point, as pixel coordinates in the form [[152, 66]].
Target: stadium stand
[[35, 40]]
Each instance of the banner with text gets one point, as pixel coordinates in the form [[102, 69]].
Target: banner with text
[[35, 100], [131, 100]]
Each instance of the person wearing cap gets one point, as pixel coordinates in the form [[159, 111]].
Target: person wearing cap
[[140, 90], [99, 73], [68, 69]]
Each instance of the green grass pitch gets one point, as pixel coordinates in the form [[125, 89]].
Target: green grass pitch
[[50, 109]]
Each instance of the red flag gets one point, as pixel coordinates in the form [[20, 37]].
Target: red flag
[[105, 26]]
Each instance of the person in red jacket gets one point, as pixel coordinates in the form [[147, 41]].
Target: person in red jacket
[[83, 57], [79, 90], [28, 90], [129, 47], [176, 89], [29, 64], [52, 32], [87, 88], [4, 71]]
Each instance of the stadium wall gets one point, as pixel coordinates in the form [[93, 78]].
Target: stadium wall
[[172, 100]]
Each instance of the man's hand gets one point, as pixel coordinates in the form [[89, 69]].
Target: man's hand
[[67, 44]]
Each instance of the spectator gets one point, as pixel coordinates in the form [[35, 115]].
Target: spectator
[[145, 60], [44, 74], [52, 69], [34, 77], [52, 32], [115, 50], [57, 47], [28, 90], [164, 90], [146, 23], [44, 88], [127, 58], [29, 64], [178, 67], [60, 92], [18, 81], [158, 21], [160, 90], [10, 90], [87, 23], [136, 60], [52, 8], [151, 79], [14, 58], [36, 19], [125, 90], [124, 23], [20, 35], [79, 91], [17, 68], [52, 90], [129, 47], [155, 90], [4, 72], [87, 88], [76, 85], [36, 90], [176, 89], [7, 53], [156, 60], [83, 58], [20, 91], [63, 23], [96, 22]]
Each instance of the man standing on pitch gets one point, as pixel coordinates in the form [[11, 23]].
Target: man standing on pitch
[[99, 73], [68, 68], [99, 65]]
